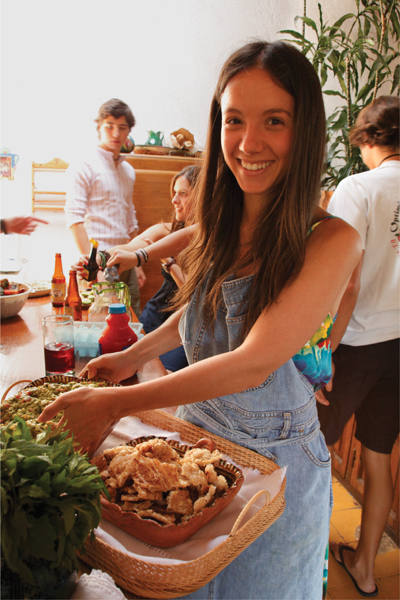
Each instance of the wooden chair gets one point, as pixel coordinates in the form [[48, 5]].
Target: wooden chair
[[53, 199]]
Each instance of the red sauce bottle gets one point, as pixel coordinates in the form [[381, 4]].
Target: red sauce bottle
[[117, 335]]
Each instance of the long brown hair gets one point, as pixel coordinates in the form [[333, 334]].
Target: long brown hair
[[278, 242], [190, 173]]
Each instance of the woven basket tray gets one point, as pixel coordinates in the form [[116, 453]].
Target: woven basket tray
[[149, 580]]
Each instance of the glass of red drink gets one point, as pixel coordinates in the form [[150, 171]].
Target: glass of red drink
[[58, 338]]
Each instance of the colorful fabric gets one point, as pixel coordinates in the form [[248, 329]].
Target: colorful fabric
[[314, 360]]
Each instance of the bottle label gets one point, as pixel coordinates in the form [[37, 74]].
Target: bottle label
[[68, 310], [58, 291]]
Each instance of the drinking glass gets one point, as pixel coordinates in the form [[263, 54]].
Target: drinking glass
[[58, 338]]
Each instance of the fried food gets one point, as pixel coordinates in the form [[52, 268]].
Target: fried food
[[156, 482]]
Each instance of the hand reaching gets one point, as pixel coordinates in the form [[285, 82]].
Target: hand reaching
[[22, 225], [88, 413], [124, 259], [110, 367]]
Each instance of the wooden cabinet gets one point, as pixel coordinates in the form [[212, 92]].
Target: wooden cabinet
[[152, 200], [348, 468]]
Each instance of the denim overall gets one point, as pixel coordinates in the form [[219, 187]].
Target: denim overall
[[277, 419]]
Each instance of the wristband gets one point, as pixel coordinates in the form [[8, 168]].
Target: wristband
[[103, 259], [3, 226], [139, 258], [143, 254], [168, 265]]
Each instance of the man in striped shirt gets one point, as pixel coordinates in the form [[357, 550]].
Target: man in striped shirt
[[99, 192]]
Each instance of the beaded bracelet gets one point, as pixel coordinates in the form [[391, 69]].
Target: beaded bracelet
[[139, 259], [141, 254]]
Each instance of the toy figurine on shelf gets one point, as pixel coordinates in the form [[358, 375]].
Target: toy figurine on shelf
[[182, 139]]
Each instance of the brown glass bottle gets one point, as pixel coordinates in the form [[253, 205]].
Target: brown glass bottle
[[58, 284], [73, 301], [89, 272]]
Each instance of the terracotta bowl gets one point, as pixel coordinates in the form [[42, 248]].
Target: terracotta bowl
[[166, 536]]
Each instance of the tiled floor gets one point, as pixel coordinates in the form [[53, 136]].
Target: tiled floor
[[345, 521]]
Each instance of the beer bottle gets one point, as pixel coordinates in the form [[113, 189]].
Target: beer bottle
[[91, 269], [58, 284], [73, 301]]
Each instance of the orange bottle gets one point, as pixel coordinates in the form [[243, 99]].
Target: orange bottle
[[58, 284], [73, 301], [117, 335]]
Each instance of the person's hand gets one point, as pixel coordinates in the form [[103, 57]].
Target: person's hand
[[78, 266], [319, 395], [111, 367], [22, 225], [141, 277], [124, 259], [88, 412]]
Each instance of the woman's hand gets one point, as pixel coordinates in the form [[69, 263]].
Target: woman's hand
[[88, 413], [111, 367], [124, 259], [83, 260], [141, 277]]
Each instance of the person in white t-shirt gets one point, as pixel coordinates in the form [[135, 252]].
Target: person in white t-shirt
[[366, 379], [99, 194]]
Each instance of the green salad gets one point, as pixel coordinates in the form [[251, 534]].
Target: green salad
[[31, 401]]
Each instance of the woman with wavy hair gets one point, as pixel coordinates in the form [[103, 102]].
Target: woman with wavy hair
[[266, 270]]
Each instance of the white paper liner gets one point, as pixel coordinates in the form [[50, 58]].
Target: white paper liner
[[209, 536]]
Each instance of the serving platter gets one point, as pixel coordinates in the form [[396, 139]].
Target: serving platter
[[166, 536], [39, 288]]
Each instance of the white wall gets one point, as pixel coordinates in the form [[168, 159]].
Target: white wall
[[62, 60]]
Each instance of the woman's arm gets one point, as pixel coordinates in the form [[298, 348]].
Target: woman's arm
[[154, 233], [332, 253], [176, 273], [346, 306], [170, 245]]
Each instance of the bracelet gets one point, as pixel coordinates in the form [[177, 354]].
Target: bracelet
[[168, 265], [139, 258], [103, 259], [3, 226], [142, 254]]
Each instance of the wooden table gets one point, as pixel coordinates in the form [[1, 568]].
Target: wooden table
[[22, 355]]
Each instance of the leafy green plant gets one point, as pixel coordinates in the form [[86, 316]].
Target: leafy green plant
[[50, 500], [354, 58]]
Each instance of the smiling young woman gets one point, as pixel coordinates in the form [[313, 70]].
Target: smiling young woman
[[265, 274]]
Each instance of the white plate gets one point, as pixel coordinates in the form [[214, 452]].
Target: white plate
[[39, 288]]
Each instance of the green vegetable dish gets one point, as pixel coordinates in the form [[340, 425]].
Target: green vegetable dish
[[31, 401]]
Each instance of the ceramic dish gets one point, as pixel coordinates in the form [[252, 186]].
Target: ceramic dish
[[11, 305], [166, 536], [39, 288]]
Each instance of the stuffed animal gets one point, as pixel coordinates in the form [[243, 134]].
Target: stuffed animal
[[182, 139]]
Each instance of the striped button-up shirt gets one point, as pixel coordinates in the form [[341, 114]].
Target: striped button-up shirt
[[99, 194]]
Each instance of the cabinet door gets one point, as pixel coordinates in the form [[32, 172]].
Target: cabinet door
[[341, 450]]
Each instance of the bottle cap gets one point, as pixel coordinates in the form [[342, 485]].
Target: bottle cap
[[116, 309]]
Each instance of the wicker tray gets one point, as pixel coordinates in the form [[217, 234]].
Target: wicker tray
[[150, 580]]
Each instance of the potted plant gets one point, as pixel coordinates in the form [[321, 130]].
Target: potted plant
[[50, 503], [354, 58]]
